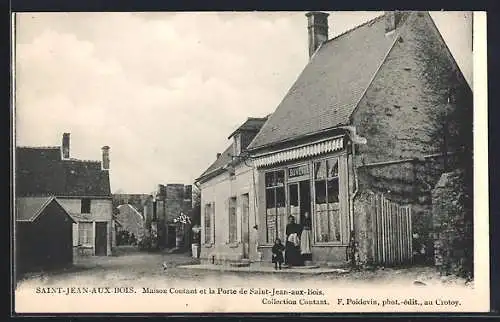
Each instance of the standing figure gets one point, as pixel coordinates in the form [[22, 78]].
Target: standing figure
[[305, 238], [277, 250], [292, 246]]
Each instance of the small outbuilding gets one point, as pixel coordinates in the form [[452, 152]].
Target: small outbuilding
[[44, 234]]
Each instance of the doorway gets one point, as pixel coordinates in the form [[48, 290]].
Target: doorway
[[299, 194], [245, 225], [171, 233], [101, 238]]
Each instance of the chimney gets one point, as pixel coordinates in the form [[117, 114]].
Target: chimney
[[392, 19], [65, 146], [105, 157], [218, 156], [317, 27]]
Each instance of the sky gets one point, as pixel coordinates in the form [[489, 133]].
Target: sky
[[164, 90]]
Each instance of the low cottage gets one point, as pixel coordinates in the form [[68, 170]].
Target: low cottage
[[44, 234], [82, 187]]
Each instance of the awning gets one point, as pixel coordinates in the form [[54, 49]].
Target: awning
[[310, 150]]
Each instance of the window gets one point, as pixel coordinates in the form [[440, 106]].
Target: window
[[233, 227], [327, 214], [85, 206], [275, 204], [86, 233], [208, 226]]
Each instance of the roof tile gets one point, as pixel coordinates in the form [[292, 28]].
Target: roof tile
[[330, 86], [42, 172]]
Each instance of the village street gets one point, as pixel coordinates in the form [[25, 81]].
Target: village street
[[131, 267]]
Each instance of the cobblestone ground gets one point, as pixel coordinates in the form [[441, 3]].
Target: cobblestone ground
[[146, 269]]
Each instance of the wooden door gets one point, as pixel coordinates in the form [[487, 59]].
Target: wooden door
[[101, 238]]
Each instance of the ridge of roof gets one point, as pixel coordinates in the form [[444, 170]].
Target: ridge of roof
[[315, 80], [57, 148], [371, 21], [42, 206], [218, 164], [39, 203], [80, 160], [49, 147], [395, 40], [448, 51]]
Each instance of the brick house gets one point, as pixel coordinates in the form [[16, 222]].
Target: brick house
[[82, 187], [360, 139]]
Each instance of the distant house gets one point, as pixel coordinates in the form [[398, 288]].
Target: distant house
[[136, 200], [227, 200], [81, 187], [44, 234], [130, 220], [362, 136]]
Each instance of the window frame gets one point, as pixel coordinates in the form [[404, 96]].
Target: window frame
[[339, 203], [210, 232], [91, 242], [342, 158], [274, 188], [83, 205]]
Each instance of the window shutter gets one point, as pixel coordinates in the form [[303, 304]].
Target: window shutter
[[239, 208], [213, 223], [227, 204]]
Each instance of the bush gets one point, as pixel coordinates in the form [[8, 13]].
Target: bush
[[145, 243], [452, 211]]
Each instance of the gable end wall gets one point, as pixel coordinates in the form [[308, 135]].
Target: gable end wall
[[402, 116]]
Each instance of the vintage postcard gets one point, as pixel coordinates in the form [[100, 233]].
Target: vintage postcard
[[171, 162]]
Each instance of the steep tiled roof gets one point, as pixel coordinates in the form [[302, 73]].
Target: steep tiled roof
[[330, 86], [252, 125], [29, 208], [221, 161], [42, 172]]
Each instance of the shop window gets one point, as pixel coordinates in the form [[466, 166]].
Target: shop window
[[275, 204], [233, 228], [327, 212], [85, 234]]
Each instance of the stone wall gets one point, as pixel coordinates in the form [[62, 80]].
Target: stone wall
[[452, 223], [407, 113]]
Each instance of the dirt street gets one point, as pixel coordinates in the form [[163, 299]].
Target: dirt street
[[146, 269]]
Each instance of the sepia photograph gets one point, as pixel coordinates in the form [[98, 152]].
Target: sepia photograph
[[228, 162]]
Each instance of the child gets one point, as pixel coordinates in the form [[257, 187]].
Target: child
[[277, 250]]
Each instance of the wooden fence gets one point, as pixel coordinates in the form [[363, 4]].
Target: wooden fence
[[392, 232]]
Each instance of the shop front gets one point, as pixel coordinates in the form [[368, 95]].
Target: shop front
[[310, 180]]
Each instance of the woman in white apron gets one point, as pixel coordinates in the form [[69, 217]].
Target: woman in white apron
[[305, 239]]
